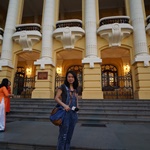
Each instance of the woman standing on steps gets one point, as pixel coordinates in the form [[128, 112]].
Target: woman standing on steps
[[4, 94], [67, 96], [7, 108]]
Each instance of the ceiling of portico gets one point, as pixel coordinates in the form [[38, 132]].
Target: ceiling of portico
[[69, 54], [28, 56], [115, 52]]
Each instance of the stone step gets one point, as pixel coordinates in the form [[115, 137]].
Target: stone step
[[90, 110], [26, 146], [117, 109], [83, 112], [85, 119], [92, 116], [85, 105], [20, 146], [82, 101]]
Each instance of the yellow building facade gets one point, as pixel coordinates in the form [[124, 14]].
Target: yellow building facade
[[107, 43]]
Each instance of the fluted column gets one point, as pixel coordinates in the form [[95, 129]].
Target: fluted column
[[92, 66], [47, 32], [45, 88], [138, 23], [91, 33], [6, 55]]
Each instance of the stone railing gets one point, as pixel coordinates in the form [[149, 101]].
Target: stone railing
[[148, 19], [1, 35], [69, 23], [148, 25], [1, 32], [114, 19], [28, 27]]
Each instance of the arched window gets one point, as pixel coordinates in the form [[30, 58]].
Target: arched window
[[109, 77]]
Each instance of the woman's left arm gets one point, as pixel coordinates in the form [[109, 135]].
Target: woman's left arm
[[77, 100], [6, 93]]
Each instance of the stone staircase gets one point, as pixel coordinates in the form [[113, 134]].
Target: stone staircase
[[92, 112]]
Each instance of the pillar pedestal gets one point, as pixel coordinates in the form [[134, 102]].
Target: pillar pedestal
[[44, 82], [142, 81], [7, 72], [92, 82]]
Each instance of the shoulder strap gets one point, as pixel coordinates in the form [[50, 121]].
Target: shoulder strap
[[64, 93]]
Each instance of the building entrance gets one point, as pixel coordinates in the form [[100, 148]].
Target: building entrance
[[115, 86], [23, 85]]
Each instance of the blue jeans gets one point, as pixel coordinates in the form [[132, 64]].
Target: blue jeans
[[66, 130]]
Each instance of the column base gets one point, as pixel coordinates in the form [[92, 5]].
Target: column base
[[92, 82], [44, 82], [7, 72]]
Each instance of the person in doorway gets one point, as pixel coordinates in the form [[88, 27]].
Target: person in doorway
[[67, 96], [7, 109], [3, 100]]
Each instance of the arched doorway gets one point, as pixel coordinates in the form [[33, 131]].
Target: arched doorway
[[114, 86], [24, 79]]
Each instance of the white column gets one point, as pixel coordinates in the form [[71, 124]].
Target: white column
[[91, 33], [47, 34], [6, 56], [138, 23]]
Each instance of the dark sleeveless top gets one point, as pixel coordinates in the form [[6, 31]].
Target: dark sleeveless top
[[64, 92]]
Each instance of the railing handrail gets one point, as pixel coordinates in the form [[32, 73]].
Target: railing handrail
[[28, 24], [69, 20], [148, 19]]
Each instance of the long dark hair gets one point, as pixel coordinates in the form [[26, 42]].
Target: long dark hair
[[4, 83], [75, 83]]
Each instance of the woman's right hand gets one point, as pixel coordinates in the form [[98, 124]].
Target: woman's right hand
[[67, 108]]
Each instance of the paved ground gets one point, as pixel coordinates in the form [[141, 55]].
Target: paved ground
[[109, 137]]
